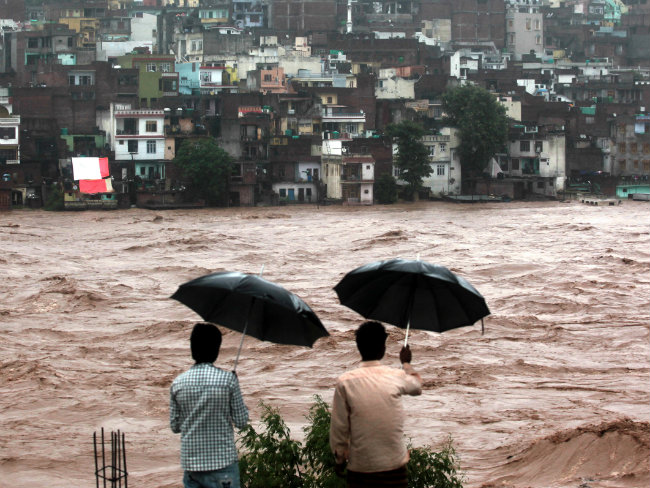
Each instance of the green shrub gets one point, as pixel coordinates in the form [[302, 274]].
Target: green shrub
[[271, 458], [54, 198], [319, 459], [428, 468]]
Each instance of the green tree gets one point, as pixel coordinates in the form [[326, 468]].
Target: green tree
[[482, 124], [54, 198], [412, 157], [386, 189], [206, 167]]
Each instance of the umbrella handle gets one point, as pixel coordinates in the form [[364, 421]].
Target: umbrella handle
[[241, 342], [406, 337]]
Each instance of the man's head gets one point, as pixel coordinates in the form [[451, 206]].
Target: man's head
[[371, 341], [205, 342]]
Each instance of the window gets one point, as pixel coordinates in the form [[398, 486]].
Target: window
[[283, 193], [440, 170], [538, 40], [634, 147], [7, 132], [646, 148], [524, 146], [151, 126], [621, 147], [329, 99], [528, 24], [635, 164], [539, 146], [267, 77], [646, 166], [197, 45], [151, 147], [151, 67], [515, 164], [71, 80], [133, 146], [504, 165], [540, 184], [538, 24], [443, 148], [165, 67], [432, 151]]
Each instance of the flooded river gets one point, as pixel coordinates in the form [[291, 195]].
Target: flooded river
[[554, 394]]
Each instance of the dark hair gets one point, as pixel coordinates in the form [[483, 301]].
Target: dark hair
[[205, 342], [371, 340]]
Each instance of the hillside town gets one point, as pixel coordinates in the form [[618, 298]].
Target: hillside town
[[300, 92]]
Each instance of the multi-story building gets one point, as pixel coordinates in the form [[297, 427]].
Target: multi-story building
[[630, 148], [357, 178], [445, 178], [9, 130], [524, 30], [157, 76], [138, 136]]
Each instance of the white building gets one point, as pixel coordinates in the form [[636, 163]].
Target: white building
[[9, 130], [389, 86], [138, 136], [445, 177]]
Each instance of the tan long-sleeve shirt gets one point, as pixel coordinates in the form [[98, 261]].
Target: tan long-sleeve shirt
[[367, 417]]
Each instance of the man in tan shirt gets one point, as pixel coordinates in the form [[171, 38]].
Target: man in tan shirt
[[367, 429]]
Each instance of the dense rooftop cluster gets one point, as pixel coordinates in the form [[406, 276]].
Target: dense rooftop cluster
[[300, 92]]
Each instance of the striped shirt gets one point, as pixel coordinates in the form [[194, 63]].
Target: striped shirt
[[205, 403]]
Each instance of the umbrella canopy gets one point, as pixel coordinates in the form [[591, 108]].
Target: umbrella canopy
[[412, 293], [253, 305]]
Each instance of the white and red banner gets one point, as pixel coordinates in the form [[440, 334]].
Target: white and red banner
[[90, 168]]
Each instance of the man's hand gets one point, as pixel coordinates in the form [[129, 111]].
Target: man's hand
[[405, 354], [339, 469]]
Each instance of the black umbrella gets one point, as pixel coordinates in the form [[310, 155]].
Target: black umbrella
[[412, 294], [252, 305]]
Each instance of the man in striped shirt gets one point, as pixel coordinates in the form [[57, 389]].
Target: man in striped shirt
[[205, 403]]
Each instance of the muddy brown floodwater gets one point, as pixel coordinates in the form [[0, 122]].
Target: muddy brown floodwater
[[554, 394]]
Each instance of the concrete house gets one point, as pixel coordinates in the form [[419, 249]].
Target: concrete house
[[138, 136], [391, 86], [445, 178], [535, 163], [524, 29], [9, 130]]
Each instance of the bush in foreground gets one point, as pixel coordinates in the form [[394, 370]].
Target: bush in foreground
[[270, 458]]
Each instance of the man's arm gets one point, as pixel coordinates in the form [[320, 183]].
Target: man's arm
[[340, 426], [174, 412], [238, 410], [413, 379]]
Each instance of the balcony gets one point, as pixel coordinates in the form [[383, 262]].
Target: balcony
[[343, 117]]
